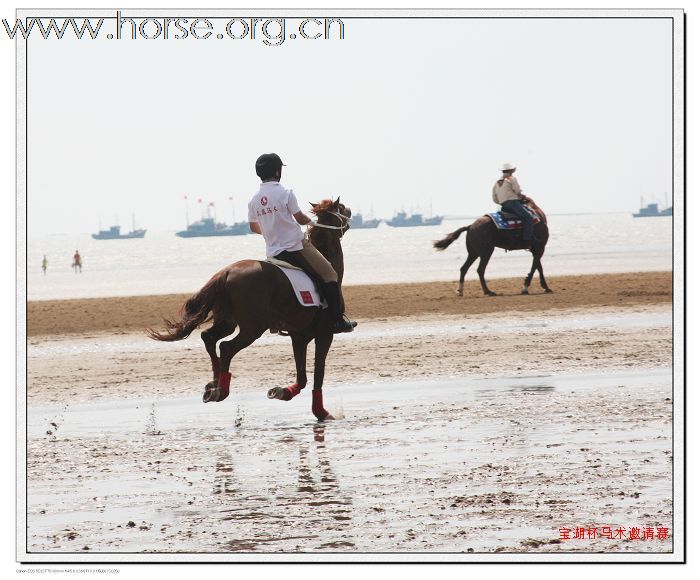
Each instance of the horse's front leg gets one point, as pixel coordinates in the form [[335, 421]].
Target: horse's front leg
[[323, 345], [299, 344], [528, 278], [543, 282], [536, 265]]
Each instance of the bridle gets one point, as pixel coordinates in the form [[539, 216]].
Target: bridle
[[343, 227]]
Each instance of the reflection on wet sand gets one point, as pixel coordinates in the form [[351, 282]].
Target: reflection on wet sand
[[317, 507], [224, 482]]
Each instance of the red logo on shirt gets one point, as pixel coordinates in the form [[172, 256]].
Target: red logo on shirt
[[306, 297], [263, 200]]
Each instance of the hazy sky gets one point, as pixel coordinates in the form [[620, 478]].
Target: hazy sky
[[408, 113]]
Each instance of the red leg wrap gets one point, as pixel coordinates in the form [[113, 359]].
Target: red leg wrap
[[317, 404], [293, 391], [224, 382]]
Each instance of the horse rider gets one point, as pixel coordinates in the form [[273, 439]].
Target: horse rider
[[274, 213], [44, 264], [506, 192]]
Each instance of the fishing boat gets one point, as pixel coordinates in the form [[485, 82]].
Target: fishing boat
[[359, 223], [652, 210], [207, 227], [114, 233], [403, 220]]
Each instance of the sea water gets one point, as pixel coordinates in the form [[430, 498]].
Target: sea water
[[162, 263]]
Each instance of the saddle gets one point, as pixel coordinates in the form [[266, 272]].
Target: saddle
[[504, 220], [304, 287]]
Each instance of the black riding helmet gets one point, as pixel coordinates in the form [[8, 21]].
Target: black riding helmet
[[267, 165]]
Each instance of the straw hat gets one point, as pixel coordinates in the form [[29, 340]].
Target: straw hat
[[507, 167]]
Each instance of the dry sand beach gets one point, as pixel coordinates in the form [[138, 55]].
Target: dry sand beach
[[499, 420], [58, 317]]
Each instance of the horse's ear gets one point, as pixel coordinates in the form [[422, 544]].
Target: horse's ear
[[313, 205], [336, 203]]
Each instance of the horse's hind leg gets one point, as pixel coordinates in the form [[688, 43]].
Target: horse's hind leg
[[300, 345], [220, 329], [463, 272], [483, 262], [246, 337]]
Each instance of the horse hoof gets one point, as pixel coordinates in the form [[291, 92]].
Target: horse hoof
[[548, 290], [459, 293], [524, 291], [214, 394], [327, 417], [275, 393], [209, 392], [491, 294]]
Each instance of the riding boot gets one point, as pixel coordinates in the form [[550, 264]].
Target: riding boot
[[340, 323]]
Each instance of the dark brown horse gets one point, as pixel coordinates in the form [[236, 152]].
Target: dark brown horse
[[254, 296], [483, 236]]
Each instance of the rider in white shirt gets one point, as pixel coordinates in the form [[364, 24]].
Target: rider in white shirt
[[274, 213]]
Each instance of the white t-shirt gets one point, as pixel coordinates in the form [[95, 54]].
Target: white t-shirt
[[273, 208]]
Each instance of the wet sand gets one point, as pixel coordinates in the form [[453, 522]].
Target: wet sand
[[97, 366], [471, 424], [480, 466]]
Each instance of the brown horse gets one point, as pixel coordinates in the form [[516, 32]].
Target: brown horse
[[255, 296], [483, 236]]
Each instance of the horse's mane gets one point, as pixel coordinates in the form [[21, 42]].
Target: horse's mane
[[322, 206], [538, 210], [327, 241]]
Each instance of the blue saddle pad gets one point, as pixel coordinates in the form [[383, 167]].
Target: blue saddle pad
[[509, 221]]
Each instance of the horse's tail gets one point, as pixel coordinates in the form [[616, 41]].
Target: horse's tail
[[194, 312], [446, 241]]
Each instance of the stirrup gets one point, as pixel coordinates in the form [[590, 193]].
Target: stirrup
[[342, 325]]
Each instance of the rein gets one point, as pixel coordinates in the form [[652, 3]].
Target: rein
[[342, 227]]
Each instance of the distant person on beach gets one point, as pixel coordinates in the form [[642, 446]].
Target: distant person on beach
[[274, 213], [44, 265], [77, 262], [507, 193]]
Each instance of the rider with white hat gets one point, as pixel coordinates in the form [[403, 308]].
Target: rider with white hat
[[506, 192]]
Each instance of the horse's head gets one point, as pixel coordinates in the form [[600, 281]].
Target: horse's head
[[332, 215]]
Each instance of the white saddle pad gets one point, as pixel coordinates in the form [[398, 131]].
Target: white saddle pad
[[304, 288]]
